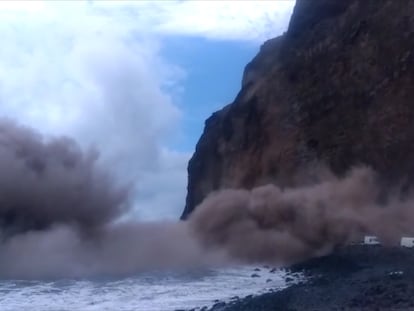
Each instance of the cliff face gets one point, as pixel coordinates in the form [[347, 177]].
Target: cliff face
[[336, 88]]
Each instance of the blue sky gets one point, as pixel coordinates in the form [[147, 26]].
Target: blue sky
[[213, 77], [134, 79]]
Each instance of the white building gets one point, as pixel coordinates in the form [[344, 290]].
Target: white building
[[371, 240], [407, 242]]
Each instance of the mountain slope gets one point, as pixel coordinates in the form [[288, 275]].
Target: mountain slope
[[336, 89]]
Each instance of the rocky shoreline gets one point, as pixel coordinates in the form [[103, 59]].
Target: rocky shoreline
[[353, 278]]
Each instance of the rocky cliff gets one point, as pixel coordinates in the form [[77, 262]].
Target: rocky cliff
[[337, 88]]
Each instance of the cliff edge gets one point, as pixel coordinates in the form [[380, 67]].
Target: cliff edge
[[337, 88]]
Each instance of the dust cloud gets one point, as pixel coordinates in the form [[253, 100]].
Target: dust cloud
[[62, 215], [284, 226]]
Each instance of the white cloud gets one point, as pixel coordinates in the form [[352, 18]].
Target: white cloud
[[241, 20], [224, 19], [169, 185], [74, 70], [94, 71]]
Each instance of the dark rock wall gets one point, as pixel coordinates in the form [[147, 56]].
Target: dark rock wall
[[337, 88]]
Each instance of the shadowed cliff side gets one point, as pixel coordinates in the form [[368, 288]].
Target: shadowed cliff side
[[337, 88]]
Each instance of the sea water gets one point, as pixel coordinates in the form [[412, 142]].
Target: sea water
[[144, 292]]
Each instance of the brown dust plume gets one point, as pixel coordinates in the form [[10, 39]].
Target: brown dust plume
[[60, 217], [283, 226]]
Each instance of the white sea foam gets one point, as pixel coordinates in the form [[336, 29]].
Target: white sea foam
[[163, 292]]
